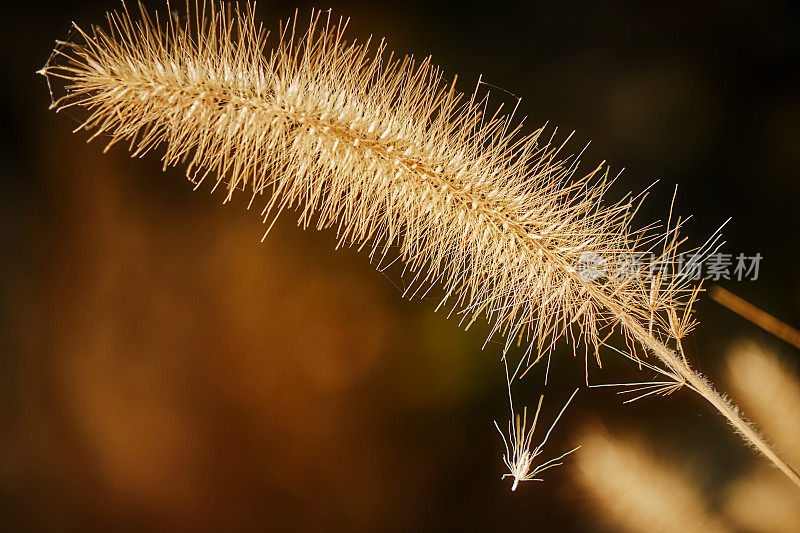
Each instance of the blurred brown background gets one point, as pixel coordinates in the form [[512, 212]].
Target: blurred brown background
[[161, 369]]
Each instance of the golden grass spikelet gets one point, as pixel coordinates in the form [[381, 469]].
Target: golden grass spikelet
[[520, 452], [384, 151]]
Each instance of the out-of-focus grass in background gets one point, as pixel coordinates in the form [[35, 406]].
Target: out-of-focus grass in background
[[160, 368]]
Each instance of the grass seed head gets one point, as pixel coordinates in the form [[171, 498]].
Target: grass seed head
[[385, 152]]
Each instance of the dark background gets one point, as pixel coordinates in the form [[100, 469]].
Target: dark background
[[160, 368]]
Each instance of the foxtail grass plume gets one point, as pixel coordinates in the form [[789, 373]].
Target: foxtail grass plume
[[393, 158], [381, 149], [759, 503], [634, 492], [770, 393]]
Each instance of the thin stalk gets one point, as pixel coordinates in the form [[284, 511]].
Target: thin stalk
[[704, 389], [755, 315]]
